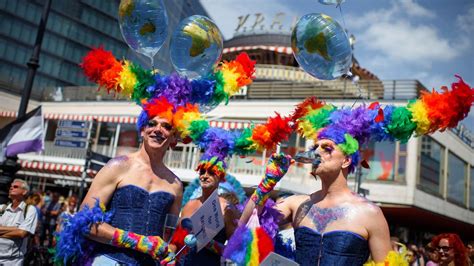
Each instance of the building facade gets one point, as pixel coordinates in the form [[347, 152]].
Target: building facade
[[424, 186], [73, 28]]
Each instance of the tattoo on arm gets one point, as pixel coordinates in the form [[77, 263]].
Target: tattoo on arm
[[321, 218]]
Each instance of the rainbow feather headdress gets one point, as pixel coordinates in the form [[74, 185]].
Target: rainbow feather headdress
[[349, 128], [179, 100], [173, 97]]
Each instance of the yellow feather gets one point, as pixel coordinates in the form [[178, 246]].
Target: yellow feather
[[127, 80], [420, 117]]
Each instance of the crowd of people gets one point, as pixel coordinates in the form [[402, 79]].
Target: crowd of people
[[28, 225], [36, 216]]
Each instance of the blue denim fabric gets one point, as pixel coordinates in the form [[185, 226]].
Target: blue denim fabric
[[331, 248], [140, 212]]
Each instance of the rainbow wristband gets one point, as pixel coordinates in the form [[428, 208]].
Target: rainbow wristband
[[273, 173], [151, 245]]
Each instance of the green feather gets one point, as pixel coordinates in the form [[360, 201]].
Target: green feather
[[144, 80], [350, 146], [401, 127], [243, 143], [197, 128]]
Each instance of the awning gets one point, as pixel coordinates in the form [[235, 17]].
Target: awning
[[35, 167], [226, 124], [279, 49]]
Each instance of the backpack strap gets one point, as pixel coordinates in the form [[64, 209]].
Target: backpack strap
[[26, 211]]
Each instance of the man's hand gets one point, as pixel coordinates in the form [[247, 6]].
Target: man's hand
[[277, 167]]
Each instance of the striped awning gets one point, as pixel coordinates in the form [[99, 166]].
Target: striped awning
[[29, 167], [279, 49], [125, 119]]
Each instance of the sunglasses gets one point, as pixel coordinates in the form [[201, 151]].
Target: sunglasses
[[444, 248], [209, 171], [15, 186]]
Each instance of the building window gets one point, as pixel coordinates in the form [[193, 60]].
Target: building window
[[106, 139], [431, 165], [128, 139], [456, 179], [471, 197], [381, 158]]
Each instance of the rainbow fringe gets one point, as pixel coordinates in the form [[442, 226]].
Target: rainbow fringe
[[248, 246]]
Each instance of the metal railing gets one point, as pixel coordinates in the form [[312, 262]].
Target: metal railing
[[273, 82], [186, 158]]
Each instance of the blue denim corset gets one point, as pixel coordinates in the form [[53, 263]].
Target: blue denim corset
[[331, 248], [137, 210]]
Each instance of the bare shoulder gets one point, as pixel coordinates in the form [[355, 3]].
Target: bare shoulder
[[190, 207], [119, 163], [366, 205], [370, 212]]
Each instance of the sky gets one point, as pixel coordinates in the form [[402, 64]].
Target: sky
[[427, 40]]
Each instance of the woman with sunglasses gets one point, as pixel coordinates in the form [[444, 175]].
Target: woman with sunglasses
[[451, 250], [211, 173]]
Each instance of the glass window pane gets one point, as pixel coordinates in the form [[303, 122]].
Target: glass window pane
[[456, 179], [128, 139], [471, 197], [431, 163], [381, 158]]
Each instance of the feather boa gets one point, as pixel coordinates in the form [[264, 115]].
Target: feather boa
[[72, 242]]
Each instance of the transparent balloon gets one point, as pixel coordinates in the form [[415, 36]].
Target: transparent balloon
[[196, 47], [144, 25], [331, 2], [321, 46], [206, 108]]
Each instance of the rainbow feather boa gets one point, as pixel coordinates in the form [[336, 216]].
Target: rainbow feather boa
[[351, 127]]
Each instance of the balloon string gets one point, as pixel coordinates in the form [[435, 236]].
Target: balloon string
[[152, 64], [342, 16], [356, 83]]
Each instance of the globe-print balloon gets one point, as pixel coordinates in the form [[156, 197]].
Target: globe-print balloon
[[321, 46], [144, 25], [196, 46], [331, 2]]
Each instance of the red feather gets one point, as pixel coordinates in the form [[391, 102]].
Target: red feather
[[310, 103], [264, 243], [96, 62], [248, 64], [159, 107], [446, 109]]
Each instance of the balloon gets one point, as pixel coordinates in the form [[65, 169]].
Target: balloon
[[331, 2], [321, 46], [196, 46], [190, 240], [144, 25]]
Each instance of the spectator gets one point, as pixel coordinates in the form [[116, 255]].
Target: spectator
[[451, 250], [35, 200], [51, 212], [17, 222], [433, 256], [69, 207], [413, 256]]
